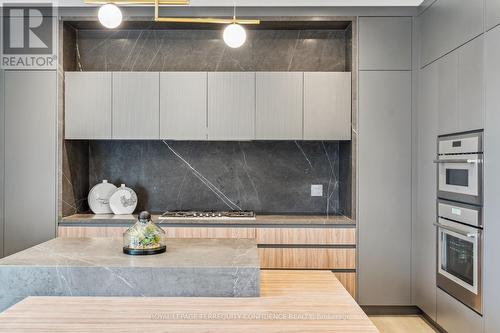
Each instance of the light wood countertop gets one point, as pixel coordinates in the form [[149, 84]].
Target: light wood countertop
[[291, 301]]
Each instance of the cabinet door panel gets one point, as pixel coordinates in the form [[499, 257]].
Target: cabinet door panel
[[448, 93], [278, 105], [30, 158], [320, 236], [492, 13], [307, 258], [183, 105], [327, 106], [135, 105], [384, 186], [492, 182], [424, 232], [231, 106], [470, 86], [385, 43], [209, 232], [447, 24], [88, 105], [455, 317]]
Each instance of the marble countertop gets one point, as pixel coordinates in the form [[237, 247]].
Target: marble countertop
[[117, 220], [98, 267], [107, 252]]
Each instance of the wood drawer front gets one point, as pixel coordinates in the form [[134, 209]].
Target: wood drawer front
[[320, 236], [214, 232], [307, 258], [348, 280], [83, 232]]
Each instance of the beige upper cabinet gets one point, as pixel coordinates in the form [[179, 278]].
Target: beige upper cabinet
[[136, 105], [208, 106], [231, 106], [279, 102], [88, 105], [327, 106], [183, 105]]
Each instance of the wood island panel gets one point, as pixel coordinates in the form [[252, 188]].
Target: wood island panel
[[320, 236], [308, 294]]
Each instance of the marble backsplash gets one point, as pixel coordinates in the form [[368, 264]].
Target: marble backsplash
[[264, 176], [204, 50]]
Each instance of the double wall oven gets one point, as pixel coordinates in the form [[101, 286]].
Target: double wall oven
[[459, 217]]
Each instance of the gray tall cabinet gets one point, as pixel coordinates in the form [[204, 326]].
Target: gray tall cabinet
[[384, 214], [2, 159], [492, 186], [30, 164]]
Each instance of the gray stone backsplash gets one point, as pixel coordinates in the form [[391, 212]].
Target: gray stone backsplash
[[204, 50], [264, 176]]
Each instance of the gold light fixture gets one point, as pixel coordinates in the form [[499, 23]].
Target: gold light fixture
[[233, 20], [158, 18]]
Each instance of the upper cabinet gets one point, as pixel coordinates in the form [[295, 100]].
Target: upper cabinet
[[208, 106], [447, 69], [183, 105], [470, 85], [88, 105], [135, 105], [460, 89], [447, 24], [231, 106], [385, 43], [327, 106], [278, 105], [492, 13]]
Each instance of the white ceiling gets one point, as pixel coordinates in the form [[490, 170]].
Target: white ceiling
[[257, 3]]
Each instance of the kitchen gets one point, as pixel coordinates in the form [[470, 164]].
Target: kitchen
[[345, 151]]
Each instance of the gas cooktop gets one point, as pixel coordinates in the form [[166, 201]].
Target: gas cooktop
[[196, 214]]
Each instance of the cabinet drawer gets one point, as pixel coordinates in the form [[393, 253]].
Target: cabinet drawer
[[82, 232], [307, 258], [348, 280], [320, 236], [204, 232]]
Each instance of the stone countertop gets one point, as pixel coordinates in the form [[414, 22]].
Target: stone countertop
[[98, 267], [107, 252], [123, 220]]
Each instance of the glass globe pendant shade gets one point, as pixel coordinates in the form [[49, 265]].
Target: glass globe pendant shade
[[234, 35], [110, 15]]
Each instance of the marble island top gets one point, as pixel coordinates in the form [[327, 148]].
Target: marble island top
[[98, 267], [90, 252], [117, 220]]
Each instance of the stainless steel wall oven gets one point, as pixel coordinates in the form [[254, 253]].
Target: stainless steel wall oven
[[460, 252], [460, 167]]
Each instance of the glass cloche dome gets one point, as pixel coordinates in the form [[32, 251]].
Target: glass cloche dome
[[144, 237]]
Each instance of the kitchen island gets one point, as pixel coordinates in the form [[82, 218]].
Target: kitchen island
[[290, 301], [97, 267]]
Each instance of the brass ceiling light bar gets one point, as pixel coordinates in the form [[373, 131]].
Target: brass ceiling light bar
[[233, 20]]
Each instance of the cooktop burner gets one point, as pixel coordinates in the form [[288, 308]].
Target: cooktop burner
[[195, 214]]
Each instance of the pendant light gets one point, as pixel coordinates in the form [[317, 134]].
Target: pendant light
[[234, 34], [110, 15]]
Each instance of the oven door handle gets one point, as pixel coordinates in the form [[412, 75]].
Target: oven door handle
[[455, 230], [460, 161]]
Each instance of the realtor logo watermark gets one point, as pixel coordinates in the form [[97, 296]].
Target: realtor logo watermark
[[28, 36]]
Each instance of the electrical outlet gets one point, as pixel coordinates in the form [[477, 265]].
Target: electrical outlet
[[317, 190]]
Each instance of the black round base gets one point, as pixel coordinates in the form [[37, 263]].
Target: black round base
[[144, 252]]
